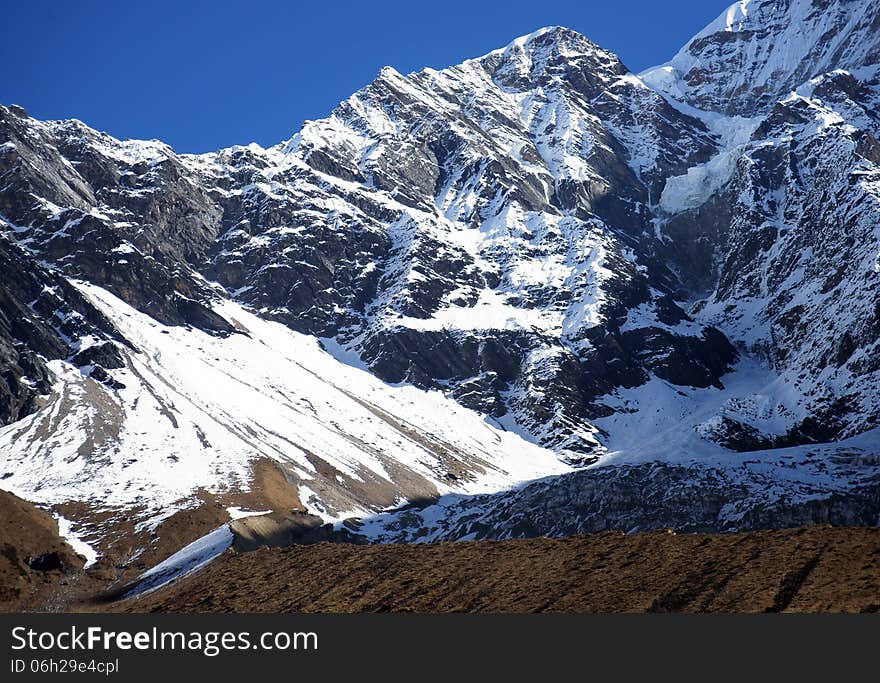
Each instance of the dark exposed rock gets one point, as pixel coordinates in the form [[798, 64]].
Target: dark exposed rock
[[154, 222], [198, 315], [41, 317], [46, 563], [106, 354], [683, 360]]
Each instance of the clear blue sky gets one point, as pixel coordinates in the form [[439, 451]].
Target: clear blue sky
[[203, 75]]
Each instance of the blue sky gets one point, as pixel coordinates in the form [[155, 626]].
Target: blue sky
[[204, 75]]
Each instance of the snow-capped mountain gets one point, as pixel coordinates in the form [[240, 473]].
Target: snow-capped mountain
[[466, 279], [758, 51], [483, 223]]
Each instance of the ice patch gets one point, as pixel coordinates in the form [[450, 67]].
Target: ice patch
[[65, 530], [185, 561], [695, 187], [241, 513]]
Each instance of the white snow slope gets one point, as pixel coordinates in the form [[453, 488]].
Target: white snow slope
[[197, 410]]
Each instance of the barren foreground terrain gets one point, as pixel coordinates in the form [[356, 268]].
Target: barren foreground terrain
[[815, 569], [810, 569]]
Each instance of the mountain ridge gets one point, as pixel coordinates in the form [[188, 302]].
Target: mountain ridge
[[600, 273]]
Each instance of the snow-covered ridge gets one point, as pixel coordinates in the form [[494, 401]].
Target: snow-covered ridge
[[733, 19]]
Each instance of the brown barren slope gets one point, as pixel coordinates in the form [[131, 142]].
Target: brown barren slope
[[815, 569], [34, 559], [40, 572]]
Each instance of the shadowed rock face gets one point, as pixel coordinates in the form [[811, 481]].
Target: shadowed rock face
[[43, 318], [799, 279], [121, 215], [687, 497]]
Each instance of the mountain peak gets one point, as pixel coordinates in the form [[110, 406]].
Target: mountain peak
[[731, 20], [757, 51], [564, 40], [555, 32], [551, 52]]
